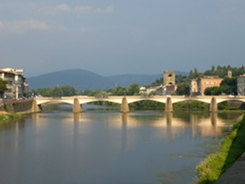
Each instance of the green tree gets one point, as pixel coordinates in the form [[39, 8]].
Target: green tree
[[47, 92], [133, 89], [229, 81], [182, 78], [3, 87], [119, 91], [191, 75], [57, 92], [183, 89], [68, 90]]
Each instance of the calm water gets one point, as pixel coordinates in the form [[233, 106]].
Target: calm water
[[105, 146]]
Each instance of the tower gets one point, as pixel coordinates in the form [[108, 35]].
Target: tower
[[169, 78], [229, 73]]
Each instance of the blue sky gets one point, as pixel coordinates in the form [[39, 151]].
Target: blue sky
[[121, 37]]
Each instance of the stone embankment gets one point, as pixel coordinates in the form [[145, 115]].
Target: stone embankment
[[17, 106]]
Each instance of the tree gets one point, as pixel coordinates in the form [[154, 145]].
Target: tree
[[119, 91], [183, 89], [229, 81], [57, 92], [191, 75], [47, 92], [182, 78], [68, 90], [213, 91], [3, 87], [134, 89]]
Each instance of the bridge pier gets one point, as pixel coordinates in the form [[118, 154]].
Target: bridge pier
[[35, 107], [168, 105], [124, 105], [77, 107], [213, 105]]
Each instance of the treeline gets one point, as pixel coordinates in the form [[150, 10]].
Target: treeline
[[54, 92], [68, 90], [220, 71]]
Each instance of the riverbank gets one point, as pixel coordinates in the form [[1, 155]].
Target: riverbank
[[231, 148], [9, 117]]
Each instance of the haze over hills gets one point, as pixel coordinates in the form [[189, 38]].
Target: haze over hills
[[85, 80]]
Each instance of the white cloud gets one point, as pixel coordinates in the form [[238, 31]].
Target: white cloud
[[109, 9], [63, 7], [33, 9], [23, 26], [83, 9]]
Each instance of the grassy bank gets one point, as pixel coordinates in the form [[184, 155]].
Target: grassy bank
[[9, 117], [230, 149]]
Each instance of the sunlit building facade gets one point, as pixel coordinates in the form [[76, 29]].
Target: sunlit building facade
[[199, 85], [16, 82]]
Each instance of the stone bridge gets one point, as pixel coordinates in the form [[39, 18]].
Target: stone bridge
[[77, 101]]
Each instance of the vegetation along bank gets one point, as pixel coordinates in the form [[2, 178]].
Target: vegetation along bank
[[230, 149], [9, 117]]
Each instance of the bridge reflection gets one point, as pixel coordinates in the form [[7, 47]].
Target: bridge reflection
[[202, 124], [127, 127], [209, 125]]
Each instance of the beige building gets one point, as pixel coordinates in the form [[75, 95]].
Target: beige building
[[198, 86], [194, 89], [229, 73], [209, 81], [16, 84], [241, 85]]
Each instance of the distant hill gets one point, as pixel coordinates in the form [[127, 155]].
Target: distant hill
[[83, 80], [128, 79]]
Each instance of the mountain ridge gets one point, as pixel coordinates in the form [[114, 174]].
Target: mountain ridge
[[82, 79]]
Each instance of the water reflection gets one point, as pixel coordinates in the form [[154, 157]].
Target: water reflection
[[77, 117], [209, 123], [117, 147]]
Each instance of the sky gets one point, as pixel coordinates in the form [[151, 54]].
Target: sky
[[112, 37]]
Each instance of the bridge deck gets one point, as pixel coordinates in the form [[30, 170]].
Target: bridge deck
[[131, 99]]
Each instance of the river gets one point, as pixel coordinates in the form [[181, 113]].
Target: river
[[105, 146]]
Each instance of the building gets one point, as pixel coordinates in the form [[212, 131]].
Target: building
[[199, 85], [194, 89], [229, 73], [16, 82], [169, 78], [241, 85], [208, 82], [169, 82], [158, 90]]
